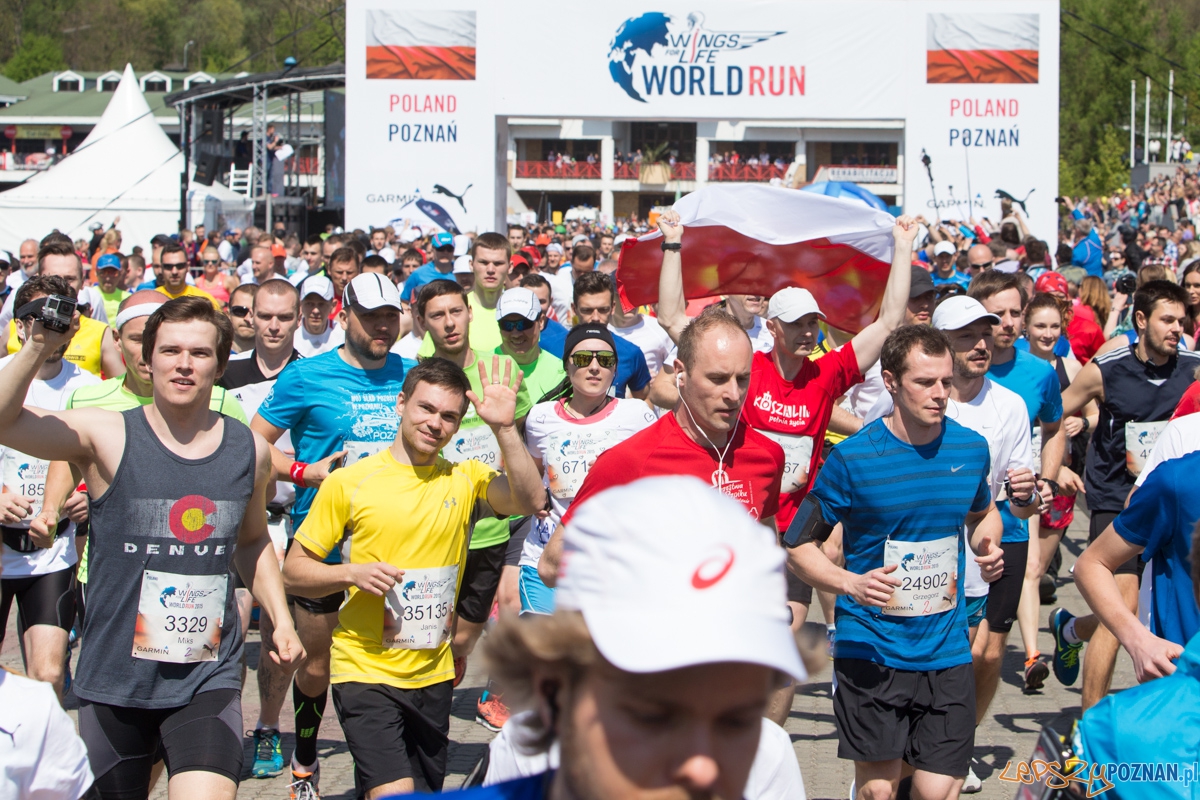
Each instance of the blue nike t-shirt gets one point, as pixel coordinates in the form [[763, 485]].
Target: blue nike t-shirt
[[328, 406], [426, 273], [1160, 517], [882, 488]]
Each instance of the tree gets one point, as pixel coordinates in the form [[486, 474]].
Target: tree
[[37, 55]]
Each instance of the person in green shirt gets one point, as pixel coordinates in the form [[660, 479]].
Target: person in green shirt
[[121, 393], [490, 255], [108, 280]]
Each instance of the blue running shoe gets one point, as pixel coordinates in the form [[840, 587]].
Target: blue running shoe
[[1066, 655], [268, 754]]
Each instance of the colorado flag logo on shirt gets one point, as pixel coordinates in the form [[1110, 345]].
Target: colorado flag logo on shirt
[[421, 45], [981, 48]]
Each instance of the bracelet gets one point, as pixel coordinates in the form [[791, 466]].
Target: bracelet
[[297, 473], [1024, 503], [1087, 425], [674, 247]]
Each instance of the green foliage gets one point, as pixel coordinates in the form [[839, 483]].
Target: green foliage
[[38, 54]]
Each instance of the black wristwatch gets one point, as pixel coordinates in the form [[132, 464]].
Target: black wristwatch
[[672, 246]]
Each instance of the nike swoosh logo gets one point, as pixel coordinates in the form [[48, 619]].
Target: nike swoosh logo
[[956, 469]]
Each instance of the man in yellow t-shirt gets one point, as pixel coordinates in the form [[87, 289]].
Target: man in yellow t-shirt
[[406, 512], [174, 276]]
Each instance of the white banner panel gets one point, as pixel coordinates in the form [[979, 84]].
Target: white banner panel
[[974, 85]]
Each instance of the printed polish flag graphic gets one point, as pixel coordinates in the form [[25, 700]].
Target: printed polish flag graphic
[[981, 48], [754, 238], [421, 45]]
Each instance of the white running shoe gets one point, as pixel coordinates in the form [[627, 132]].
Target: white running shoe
[[972, 784]]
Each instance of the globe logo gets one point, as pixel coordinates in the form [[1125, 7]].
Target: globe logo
[[635, 34]]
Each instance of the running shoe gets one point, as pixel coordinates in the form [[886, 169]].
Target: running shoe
[[268, 754], [491, 713], [1047, 590], [1036, 673], [1066, 655], [460, 670], [304, 784], [973, 784], [831, 636]]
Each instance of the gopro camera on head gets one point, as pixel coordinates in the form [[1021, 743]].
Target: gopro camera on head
[[57, 312]]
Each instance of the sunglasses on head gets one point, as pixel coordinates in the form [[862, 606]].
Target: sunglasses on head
[[511, 325], [583, 358], [239, 311]]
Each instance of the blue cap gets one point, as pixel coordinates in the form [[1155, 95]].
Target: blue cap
[[443, 240], [112, 260]]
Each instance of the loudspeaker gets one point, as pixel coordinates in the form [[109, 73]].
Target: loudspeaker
[[212, 127], [208, 167]]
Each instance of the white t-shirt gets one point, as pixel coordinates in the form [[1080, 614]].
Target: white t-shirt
[[42, 756], [92, 297], [760, 337], [226, 251], [651, 338], [562, 293], [774, 775], [567, 448], [1180, 437], [998, 415], [308, 345], [22, 474], [863, 396], [407, 346]]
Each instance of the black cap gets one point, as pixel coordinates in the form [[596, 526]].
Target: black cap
[[922, 283]]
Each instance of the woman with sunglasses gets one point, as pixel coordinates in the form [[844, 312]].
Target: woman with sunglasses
[[213, 281], [565, 433]]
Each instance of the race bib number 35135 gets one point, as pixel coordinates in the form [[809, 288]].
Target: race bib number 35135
[[416, 611], [179, 617]]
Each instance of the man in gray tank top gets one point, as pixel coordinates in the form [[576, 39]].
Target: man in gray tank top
[[178, 500]]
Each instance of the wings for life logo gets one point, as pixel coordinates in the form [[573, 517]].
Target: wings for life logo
[[658, 54], [183, 599]]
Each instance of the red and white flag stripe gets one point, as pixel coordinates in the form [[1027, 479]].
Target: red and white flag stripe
[[758, 239]]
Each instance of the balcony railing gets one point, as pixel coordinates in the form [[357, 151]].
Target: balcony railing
[[750, 173], [547, 169]]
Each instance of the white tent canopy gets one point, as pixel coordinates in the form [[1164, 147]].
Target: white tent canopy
[[127, 168]]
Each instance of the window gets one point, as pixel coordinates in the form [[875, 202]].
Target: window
[[109, 85], [156, 85], [68, 85]]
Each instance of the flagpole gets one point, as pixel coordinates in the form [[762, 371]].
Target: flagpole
[[1132, 122], [970, 197], [926, 160]]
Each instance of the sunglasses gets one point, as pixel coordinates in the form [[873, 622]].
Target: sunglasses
[[239, 311], [583, 358], [512, 325], [174, 267], [984, 265], [206, 262]]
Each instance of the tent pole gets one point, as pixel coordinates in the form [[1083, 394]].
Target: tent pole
[[183, 178]]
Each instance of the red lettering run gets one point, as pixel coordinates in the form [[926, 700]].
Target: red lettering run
[[756, 80], [795, 82]]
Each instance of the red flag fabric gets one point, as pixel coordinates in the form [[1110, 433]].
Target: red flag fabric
[[981, 48], [758, 239], [431, 45]]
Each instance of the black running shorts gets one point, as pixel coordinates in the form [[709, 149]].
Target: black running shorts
[[1097, 524], [1004, 593], [396, 733], [481, 578], [926, 718], [123, 744], [47, 599]]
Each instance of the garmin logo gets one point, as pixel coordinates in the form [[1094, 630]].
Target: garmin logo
[[766, 403]]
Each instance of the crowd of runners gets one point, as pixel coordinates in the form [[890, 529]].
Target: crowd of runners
[[395, 451]]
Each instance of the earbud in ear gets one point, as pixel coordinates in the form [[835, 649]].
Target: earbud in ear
[[677, 374]]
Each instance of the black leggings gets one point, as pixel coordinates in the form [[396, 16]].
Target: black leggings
[[124, 743], [47, 599]]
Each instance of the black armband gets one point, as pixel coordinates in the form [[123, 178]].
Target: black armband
[[808, 525]]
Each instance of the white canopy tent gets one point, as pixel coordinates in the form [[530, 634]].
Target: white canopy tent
[[126, 168]]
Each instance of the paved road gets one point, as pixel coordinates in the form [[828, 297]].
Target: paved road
[[1009, 733]]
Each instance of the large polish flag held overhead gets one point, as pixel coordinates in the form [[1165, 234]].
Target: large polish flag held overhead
[[981, 48], [756, 238], [421, 45]]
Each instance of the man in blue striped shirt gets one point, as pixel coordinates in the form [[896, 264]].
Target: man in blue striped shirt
[[903, 487]]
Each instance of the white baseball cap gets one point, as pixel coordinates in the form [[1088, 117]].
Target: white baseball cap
[[708, 587], [554, 247], [462, 264], [410, 235], [792, 303], [462, 244], [959, 312], [370, 290], [944, 248], [317, 284], [520, 301]]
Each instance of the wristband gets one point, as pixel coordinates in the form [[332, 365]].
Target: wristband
[[297, 473], [1087, 425], [672, 246]]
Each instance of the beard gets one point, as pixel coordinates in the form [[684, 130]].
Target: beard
[[365, 348], [964, 368], [58, 354]]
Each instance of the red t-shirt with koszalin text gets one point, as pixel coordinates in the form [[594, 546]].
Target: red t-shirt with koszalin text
[[796, 413], [753, 465]]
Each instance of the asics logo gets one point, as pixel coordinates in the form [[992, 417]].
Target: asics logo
[[712, 569]]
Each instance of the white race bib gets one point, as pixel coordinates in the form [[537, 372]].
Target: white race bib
[[1140, 438], [357, 451], [476, 443], [1035, 446], [928, 575], [179, 617], [26, 476], [416, 611], [797, 455], [570, 455]]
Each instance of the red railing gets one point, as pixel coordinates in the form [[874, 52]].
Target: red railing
[[744, 172], [308, 165], [547, 169], [683, 171], [625, 172]]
